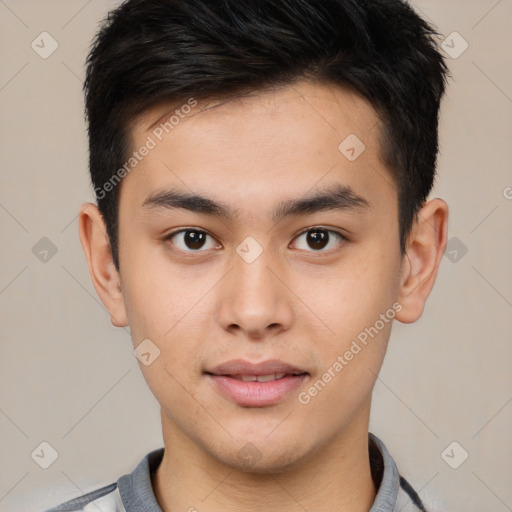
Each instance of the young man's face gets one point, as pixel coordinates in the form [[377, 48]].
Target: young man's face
[[208, 296]]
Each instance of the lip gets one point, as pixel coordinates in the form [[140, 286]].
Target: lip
[[256, 394], [242, 367]]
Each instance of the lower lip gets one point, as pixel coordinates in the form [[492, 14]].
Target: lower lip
[[256, 394]]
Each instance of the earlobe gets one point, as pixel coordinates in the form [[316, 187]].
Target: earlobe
[[104, 275], [425, 249]]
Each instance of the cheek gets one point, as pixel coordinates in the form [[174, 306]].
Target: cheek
[[355, 296], [169, 310], [155, 295], [169, 319], [358, 308], [351, 358]]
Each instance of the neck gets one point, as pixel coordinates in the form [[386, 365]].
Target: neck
[[337, 477]]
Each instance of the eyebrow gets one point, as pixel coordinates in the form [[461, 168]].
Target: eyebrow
[[337, 197]]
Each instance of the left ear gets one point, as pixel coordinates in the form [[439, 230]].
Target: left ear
[[425, 248]]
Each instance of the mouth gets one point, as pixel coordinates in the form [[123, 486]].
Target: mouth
[[256, 385]]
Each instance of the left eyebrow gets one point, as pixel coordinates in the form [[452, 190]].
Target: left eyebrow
[[338, 197]]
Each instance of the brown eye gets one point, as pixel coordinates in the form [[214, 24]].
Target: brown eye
[[319, 238], [190, 240]]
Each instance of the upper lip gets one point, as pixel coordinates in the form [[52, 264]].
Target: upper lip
[[242, 367]]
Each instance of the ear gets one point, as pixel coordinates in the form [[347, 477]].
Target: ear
[[425, 248], [105, 278]]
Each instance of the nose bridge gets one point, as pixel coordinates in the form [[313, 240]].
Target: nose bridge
[[255, 277], [253, 299]]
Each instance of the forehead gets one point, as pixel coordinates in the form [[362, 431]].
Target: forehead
[[306, 97], [282, 140]]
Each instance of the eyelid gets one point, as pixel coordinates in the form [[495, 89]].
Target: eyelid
[[323, 228], [181, 230]]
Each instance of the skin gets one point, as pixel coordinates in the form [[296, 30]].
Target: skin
[[295, 302]]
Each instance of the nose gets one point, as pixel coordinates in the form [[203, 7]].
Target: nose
[[254, 299]]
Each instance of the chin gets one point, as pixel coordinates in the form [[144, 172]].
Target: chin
[[260, 454], [264, 463]]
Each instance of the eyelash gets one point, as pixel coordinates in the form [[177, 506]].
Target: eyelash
[[168, 237]]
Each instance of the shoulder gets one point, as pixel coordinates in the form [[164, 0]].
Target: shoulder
[[395, 493], [132, 489], [107, 498]]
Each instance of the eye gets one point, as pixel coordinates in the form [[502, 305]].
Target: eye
[[190, 240], [318, 238]]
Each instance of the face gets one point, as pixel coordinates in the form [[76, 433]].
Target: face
[[292, 255]]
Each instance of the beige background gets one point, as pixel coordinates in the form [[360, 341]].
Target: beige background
[[68, 377]]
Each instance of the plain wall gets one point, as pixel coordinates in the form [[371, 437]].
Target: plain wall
[[68, 377]]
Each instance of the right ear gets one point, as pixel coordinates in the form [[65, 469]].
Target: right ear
[[104, 275]]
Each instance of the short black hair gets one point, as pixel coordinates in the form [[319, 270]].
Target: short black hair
[[150, 51]]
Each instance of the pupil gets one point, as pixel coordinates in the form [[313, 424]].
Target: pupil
[[194, 240], [318, 239]]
